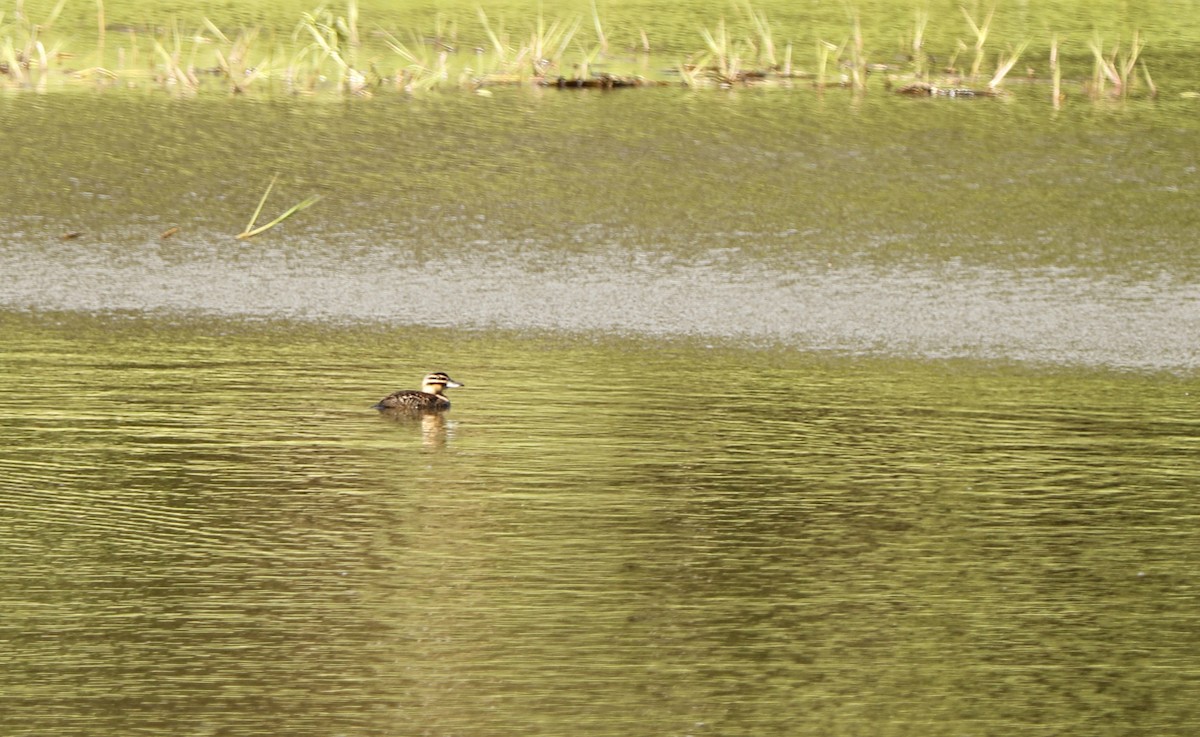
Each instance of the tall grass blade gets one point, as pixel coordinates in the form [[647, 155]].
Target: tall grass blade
[[860, 60], [719, 46], [212, 28], [352, 22], [1055, 72], [9, 54], [603, 40], [824, 49], [981, 35], [1149, 82], [57, 11], [1006, 66], [395, 45], [1129, 63], [762, 31], [692, 74], [1104, 69], [501, 50], [326, 41], [918, 43], [171, 62], [101, 28]]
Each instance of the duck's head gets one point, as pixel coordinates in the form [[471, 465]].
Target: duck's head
[[438, 382]]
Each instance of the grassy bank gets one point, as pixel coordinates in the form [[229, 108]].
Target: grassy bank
[[335, 51]]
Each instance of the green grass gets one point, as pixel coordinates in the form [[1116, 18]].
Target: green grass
[[338, 52]]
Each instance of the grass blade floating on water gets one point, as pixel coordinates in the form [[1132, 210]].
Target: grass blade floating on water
[[287, 214], [258, 210], [252, 231]]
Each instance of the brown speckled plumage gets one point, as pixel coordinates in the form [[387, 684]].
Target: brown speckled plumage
[[429, 399]]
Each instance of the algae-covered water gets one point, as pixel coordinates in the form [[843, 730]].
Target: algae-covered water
[[785, 413]]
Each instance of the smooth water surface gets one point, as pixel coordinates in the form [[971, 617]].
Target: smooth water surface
[[207, 532]]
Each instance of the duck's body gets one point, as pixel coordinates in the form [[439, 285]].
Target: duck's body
[[429, 399]]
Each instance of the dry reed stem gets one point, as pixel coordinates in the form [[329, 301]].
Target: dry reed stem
[[1149, 82], [1006, 66], [981, 34], [1055, 73], [918, 43], [600, 37], [824, 48], [100, 30], [859, 58], [1102, 70]]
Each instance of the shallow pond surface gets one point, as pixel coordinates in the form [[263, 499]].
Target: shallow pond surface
[[207, 531], [786, 413], [986, 228]]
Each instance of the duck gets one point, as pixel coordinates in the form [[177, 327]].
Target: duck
[[429, 399]]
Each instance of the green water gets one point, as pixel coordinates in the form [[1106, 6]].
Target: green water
[[992, 229], [207, 532], [786, 413]]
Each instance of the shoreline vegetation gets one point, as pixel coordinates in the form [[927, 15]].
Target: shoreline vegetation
[[336, 52]]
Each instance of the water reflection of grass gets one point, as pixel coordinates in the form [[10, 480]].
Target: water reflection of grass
[[335, 52]]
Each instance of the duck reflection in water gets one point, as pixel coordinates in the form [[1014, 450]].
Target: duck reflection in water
[[427, 407], [436, 430]]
